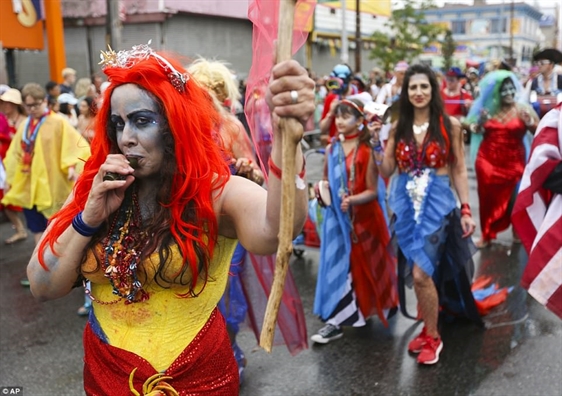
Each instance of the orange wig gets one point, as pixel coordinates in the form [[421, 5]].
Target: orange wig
[[200, 166]]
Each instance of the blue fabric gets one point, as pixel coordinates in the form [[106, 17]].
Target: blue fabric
[[381, 196], [336, 240], [235, 311], [420, 240]]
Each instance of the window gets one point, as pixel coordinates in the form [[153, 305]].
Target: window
[[458, 27], [498, 25]]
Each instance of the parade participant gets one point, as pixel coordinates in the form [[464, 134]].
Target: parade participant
[[86, 109], [156, 242], [546, 88], [11, 106], [69, 78], [42, 163], [457, 100], [471, 84], [390, 93], [339, 87], [356, 272], [67, 103], [376, 81], [498, 121], [426, 146], [537, 216], [217, 79]]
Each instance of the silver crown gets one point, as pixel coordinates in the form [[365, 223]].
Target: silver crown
[[127, 59]]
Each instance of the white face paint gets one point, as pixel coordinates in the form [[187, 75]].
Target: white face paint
[[508, 91]]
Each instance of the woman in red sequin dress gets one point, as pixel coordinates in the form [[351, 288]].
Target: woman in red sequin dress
[[500, 159], [152, 223]]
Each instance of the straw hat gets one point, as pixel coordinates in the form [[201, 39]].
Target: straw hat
[[12, 95]]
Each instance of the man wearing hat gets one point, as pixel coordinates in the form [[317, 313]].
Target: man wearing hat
[[69, 77], [546, 88], [456, 99]]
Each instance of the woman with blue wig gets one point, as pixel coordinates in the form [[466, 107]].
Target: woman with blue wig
[[499, 120]]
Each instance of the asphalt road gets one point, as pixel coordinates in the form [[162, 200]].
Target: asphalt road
[[519, 352]]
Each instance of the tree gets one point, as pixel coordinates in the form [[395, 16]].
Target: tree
[[448, 49], [410, 33]]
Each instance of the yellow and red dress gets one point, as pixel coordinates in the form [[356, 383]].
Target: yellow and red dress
[[181, 338]]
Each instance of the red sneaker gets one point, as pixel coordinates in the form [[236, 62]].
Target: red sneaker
[[430, 350], [415, 346]]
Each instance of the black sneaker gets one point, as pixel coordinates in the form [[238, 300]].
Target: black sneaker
[[327, 333]]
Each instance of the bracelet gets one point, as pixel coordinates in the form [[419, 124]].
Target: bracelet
[[278, 173], [83, 228], [465, 206]]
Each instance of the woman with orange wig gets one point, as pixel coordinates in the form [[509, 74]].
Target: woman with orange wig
[[153, 222]]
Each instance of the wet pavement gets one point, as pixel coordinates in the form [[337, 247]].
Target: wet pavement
[[518, 352]]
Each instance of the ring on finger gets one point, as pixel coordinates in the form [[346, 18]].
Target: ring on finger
[[294, 97]]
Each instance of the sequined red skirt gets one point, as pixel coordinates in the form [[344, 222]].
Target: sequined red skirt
[[206, 366]]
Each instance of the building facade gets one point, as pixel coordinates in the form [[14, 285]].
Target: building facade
[[488, 31], [217, 29]]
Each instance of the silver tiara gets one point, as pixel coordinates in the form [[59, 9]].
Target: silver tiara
[[127, 59]]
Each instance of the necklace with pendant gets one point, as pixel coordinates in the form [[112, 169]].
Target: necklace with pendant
[[419, 129]]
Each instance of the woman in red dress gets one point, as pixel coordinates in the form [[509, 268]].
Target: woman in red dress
[[500, 123]]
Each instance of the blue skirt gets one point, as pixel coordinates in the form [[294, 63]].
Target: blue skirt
[[421, 236]]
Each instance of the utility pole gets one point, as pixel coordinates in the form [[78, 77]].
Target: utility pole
[[113, 25], [344, 44], [358, 43], [511, 12]]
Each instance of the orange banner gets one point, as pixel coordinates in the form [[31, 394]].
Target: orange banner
[[21, 26]]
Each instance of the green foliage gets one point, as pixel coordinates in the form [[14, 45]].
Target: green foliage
[[448, 49], [410, 34]]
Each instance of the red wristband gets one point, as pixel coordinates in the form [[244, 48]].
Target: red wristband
[[277, 171]]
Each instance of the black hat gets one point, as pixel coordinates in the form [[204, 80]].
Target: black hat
[[551, 54]]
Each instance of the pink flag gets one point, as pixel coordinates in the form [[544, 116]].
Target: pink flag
[[264, 14], [258, 277]]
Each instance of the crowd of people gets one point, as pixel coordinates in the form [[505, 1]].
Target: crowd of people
[[146, 187]]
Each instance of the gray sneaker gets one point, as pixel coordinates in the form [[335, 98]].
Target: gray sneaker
[[327, 333]]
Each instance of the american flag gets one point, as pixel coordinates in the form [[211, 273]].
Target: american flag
[[537, 215]]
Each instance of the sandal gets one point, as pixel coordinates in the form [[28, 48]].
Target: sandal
[[18, 236]]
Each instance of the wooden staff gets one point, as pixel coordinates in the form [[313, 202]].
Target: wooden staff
[[291, 133]]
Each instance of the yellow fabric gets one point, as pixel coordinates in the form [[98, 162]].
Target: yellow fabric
[[160, 328], [379, 7], [58, 146]]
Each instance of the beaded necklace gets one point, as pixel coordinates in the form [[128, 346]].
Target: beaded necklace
[[123, 249]]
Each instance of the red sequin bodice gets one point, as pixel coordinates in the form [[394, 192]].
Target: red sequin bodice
[[409, 157]]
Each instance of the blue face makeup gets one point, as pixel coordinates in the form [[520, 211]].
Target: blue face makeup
[[138, 119]]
